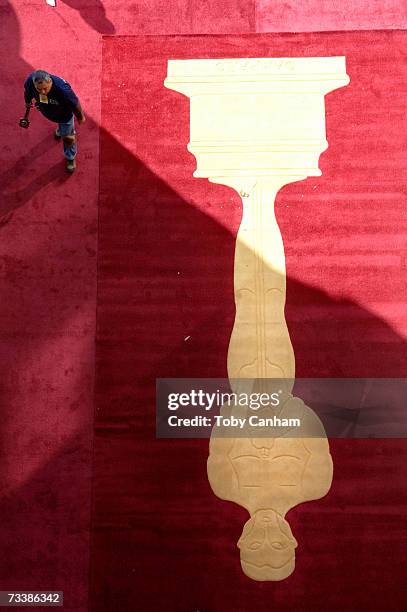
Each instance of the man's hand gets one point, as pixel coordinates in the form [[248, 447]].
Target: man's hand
[[79, 114]]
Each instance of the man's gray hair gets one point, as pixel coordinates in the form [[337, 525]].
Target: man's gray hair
[[41, 75]]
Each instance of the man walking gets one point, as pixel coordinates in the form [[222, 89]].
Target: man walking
[[57, 101]]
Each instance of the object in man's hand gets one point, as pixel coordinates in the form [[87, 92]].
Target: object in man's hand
[[25, 122]]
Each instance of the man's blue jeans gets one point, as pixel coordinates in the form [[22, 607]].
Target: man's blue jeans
[[66, 129]]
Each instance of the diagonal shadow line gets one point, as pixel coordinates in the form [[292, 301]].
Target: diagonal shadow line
[[141, 247], [117, 204], [169, 363], [165, 359], [129, 361]]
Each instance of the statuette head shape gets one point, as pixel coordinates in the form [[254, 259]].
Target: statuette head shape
[[267, 547]]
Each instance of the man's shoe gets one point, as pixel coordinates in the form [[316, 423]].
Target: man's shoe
[[57, 135], [70, 165]]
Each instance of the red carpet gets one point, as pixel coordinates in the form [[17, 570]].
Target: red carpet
[[166, 240], [156, 221]]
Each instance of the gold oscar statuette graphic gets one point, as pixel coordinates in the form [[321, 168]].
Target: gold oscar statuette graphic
[[257, 124]]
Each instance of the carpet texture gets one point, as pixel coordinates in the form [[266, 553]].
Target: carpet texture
[[165, 309], [48, 251], [48, 239]]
